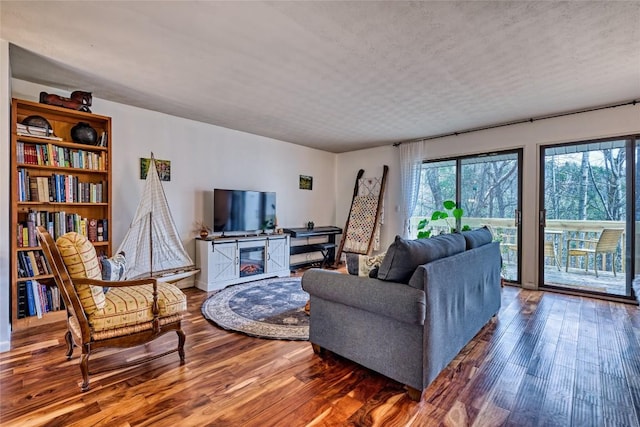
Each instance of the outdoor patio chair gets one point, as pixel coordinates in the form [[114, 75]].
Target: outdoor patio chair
[[606, 243], [130, 313], [550, 251]]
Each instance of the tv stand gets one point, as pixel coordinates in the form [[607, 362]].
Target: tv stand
[[312, 246], [225, 261]]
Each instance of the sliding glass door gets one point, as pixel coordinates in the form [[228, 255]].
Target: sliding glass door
[[587, 200], [487, 187]]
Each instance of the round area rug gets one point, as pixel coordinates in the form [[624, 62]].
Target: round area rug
[[270, 308]]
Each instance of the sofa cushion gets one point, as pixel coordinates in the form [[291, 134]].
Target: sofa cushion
[[79, 256], [477, 237], [404, 256]]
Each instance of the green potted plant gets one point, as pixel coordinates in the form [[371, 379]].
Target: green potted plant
[[451, 209]]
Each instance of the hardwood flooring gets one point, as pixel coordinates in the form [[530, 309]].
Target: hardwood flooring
[[548, 360]]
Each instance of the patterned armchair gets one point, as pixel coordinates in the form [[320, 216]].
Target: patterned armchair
[[130, 313]]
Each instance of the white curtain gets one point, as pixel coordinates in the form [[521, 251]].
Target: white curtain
[[411, 157]]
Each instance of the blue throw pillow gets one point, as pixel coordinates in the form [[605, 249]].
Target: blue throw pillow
[[404, 256], [113, 269], [478, 237]]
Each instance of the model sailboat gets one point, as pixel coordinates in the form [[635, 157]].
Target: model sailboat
[[152, 246]]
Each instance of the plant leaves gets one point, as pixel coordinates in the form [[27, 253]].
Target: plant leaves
[[457, 213], [422, 224], [424, 234], [439, 215], [449, 204]]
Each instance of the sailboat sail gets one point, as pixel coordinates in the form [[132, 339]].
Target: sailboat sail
[[152, 246]]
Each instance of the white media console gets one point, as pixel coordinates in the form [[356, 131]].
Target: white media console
[[226, 261]]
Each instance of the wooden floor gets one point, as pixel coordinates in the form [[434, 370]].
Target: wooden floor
[[549, 359]]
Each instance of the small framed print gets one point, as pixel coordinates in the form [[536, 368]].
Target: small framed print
[[306, 182], [162, 166]]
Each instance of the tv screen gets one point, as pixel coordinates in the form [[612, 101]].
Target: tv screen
[[237, 210]]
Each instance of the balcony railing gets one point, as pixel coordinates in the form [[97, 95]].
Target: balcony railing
[[557, 232]]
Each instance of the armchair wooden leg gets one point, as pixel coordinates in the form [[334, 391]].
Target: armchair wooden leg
[[414, 394], [181, 340], [68, 337], [84, 368]]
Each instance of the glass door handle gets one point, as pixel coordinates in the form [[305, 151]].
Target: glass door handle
[[543, 218], [518, 218]]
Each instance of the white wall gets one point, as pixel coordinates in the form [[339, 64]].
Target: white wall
[[530, 136], [5, 103], [372, 162], [202, 157]]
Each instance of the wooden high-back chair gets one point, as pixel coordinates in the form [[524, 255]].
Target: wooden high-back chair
[[606, 243], [131, 313]]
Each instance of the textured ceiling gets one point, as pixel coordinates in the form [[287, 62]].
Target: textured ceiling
[[337, 76]]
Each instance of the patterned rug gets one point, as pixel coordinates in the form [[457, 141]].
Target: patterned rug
[[270, 308]]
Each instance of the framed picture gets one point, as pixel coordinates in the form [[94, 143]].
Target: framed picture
[[306, 182], [162, 166]]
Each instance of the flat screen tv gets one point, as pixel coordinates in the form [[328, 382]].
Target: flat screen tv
[[243, 211]]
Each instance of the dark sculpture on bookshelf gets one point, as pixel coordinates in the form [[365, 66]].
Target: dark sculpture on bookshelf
[[79, 100]]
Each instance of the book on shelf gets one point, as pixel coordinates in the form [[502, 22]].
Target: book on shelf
[[25, 236], [36, 131], [31, 302], [33, 190], [100, 231], [22, 300], [37, 300], [24, 267], [105, 229], [41, 263], [53, 138], [33, 129], [34, 264], [92, 230], [104, 139]]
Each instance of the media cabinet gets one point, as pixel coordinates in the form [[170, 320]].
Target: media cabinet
[[308, 245], [225, 261]]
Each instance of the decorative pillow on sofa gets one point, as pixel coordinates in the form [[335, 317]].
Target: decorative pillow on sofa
[[404, 256], [364, 265], [477, 237], [368, 264], [353, 261], [113, 268], [80, 258]]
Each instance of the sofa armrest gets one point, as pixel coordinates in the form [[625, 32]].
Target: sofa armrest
[[395, 300]]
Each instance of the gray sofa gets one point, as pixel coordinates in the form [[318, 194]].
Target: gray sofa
[[430, 298]]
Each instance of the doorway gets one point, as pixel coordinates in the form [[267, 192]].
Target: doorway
[[586, 204], [487, 187]]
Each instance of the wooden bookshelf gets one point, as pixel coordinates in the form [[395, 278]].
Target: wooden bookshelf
[[78, 189]]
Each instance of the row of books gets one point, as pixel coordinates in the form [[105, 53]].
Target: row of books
[[58, 188], [37, 131], [35, 299], [32, 264], [59, 223], [52, 155]]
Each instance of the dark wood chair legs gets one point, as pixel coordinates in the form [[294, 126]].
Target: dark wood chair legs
[[68, 337]]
